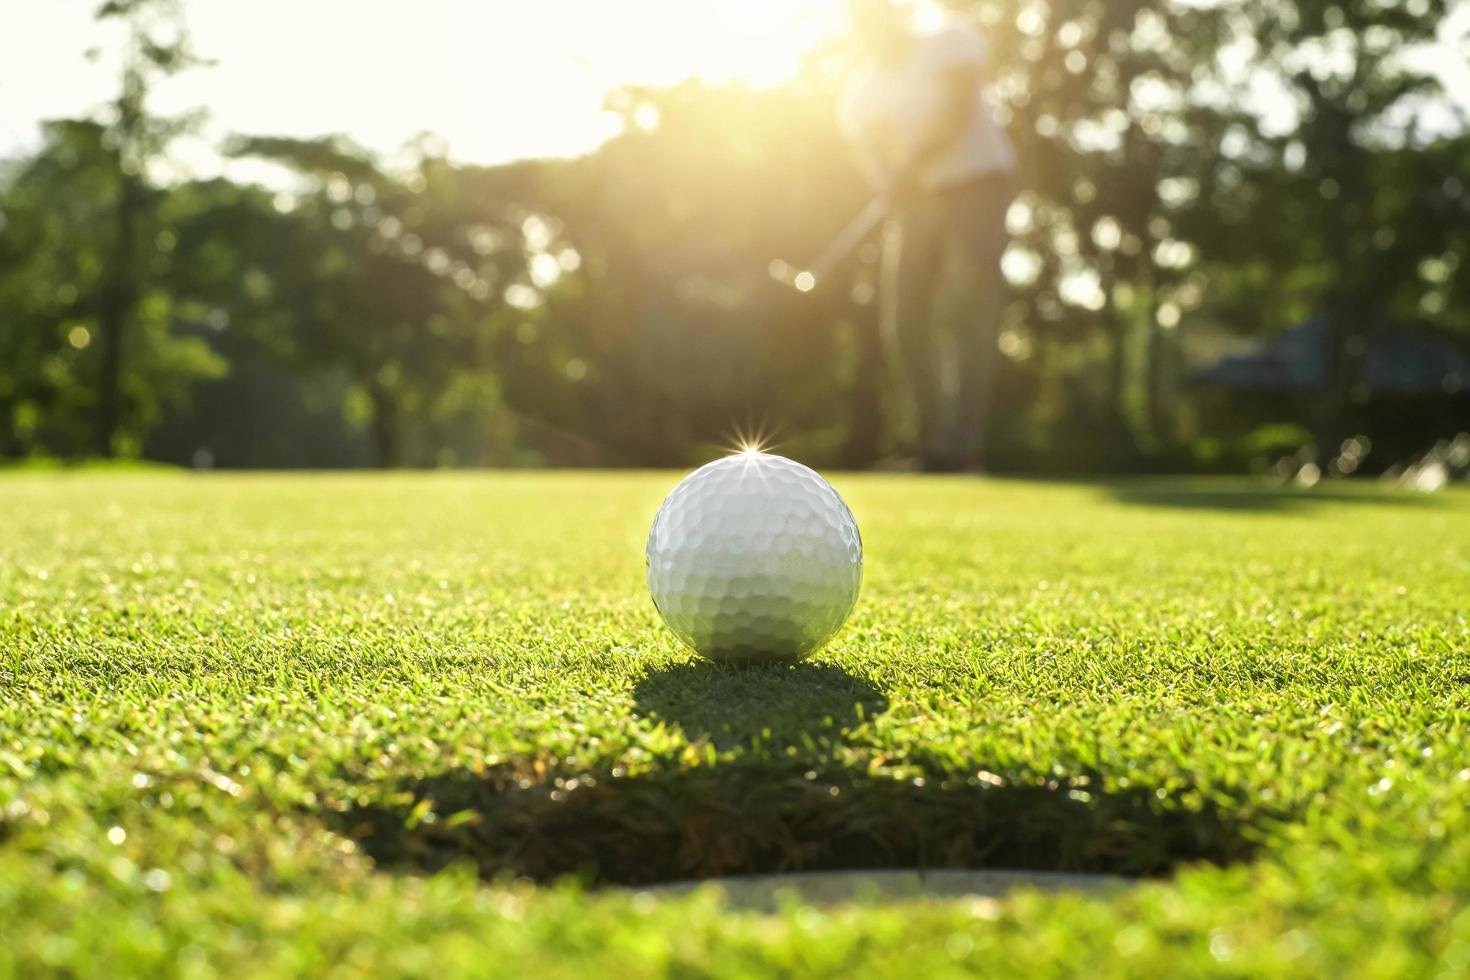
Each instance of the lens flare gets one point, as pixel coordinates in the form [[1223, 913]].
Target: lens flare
[[749, 440]]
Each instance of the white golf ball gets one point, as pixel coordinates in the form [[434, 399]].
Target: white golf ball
[[754, 558]]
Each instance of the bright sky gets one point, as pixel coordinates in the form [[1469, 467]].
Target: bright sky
[[499, 79]]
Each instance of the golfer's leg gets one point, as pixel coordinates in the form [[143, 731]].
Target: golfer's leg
[[979, 242], [910, 275]]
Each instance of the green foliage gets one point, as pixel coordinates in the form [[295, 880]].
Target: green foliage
[[242, 719], [396, 279], [680, 335], [1190, 173], [53, 284]]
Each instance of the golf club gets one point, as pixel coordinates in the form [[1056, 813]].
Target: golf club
[[849, 238]]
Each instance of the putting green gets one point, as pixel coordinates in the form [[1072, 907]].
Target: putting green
[[326, 724]]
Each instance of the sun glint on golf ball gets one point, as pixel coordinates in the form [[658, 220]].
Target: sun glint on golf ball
[[754, 558]]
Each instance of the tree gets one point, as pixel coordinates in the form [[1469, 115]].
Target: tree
[[666, 333], [57, 287], [157, 46], [396, 278], [1329, 197]]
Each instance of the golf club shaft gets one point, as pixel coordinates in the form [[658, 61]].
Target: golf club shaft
[[850, 237]]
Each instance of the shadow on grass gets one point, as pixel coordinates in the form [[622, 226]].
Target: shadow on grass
[[1241, 495], [789, 800], [805, 702], [677, 822]]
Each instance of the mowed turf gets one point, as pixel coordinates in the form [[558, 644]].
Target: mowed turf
[[427, 724]]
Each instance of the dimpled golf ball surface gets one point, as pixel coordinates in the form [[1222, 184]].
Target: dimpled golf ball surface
[[754, 557]]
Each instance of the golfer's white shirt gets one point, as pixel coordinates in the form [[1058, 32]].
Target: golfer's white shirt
[[898, 104]]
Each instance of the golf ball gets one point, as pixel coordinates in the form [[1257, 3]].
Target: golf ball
[[754, 557]]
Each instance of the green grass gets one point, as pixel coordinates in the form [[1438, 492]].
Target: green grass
[[317, 724]]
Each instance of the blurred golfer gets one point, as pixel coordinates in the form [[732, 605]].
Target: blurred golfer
[[916, 113]]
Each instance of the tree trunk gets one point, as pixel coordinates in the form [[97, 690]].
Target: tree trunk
[[119, 294], [1160, 394], [1115, 396], [385, 426], [1343, 346], [1159, 390]]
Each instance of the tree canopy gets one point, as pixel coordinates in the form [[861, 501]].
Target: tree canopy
[[1193, 176]]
